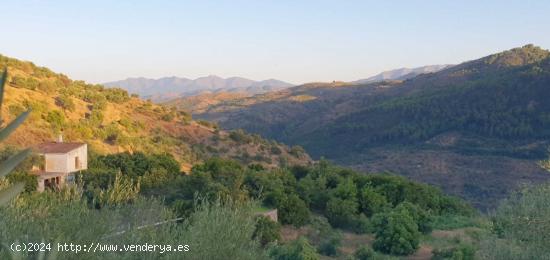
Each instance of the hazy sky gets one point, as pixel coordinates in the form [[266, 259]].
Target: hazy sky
[[297, 41]]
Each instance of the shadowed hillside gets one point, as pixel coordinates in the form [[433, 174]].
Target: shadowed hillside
[[461, 128]]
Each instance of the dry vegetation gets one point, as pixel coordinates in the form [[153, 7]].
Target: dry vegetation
[[112, 121]]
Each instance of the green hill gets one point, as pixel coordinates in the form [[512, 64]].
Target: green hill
[[476, 129]]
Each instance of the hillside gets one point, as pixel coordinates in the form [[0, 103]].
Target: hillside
[[402, 73], [111, 120], [477, 129], [168, 88]]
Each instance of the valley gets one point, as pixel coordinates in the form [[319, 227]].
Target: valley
[[485, 119]]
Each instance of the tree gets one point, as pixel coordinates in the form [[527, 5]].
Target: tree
[[372, 202], [298, 249], [422, 218], [267, 230], [65, 102], [364, 253], [293, 210], [56, 120], [342, 213], [396, 232]]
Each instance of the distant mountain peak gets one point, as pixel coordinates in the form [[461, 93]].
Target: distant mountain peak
[[402, 73], [167, 88]]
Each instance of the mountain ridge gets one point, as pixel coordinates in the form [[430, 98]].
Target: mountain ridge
[[447, 128], [165, 88], [402, 73]]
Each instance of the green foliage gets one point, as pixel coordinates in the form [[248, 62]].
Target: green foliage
[[29, 180], [214, 231], [292, 210], [396, 232], [364, 253], [240, 136], [56, 120], [223, 231], [342, 213], [65, 102], [123, 190], [116, 95], [460, 252], [267, 230], [521, 226], [422, 218], [298, 249], [28, 83], [372, 202]]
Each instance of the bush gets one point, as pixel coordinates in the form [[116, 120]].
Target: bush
[[298, 249], [364, 253], [372, 202], [65, 102], [329, 248], [267, 230], [461, 252], [297, 151], [240, 137], [293, 210], [422, 218], [521, 226], [30, 180], [56, 120], [396, 233], [341, 213], [116, 95]]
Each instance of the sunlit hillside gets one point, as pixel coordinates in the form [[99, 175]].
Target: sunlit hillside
[[111, 120]]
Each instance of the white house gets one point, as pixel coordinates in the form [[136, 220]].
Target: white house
[[60, 162]]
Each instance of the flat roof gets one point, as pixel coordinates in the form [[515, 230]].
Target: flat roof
[[55, 147]]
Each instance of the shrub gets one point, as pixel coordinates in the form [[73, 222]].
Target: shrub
[[116, 95], [297, 151], [364, 253], [56, 120], [240, 137], [422, 218], [299, 249], [521, 226], [293, 210], [65, 102], [396, 233], [341, 213], [461, 252], [29, 180], [267, 230], [168, 117], [372, 202]]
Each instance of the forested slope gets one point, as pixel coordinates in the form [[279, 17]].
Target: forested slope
[[461, 128]]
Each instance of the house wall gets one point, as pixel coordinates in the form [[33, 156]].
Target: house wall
[[82, 153], [56, 162], [66, 162]]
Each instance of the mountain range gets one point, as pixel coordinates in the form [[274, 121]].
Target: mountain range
[[477, 129], [167, 88]]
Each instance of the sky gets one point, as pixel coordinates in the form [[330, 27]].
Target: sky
[[291, 40]]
